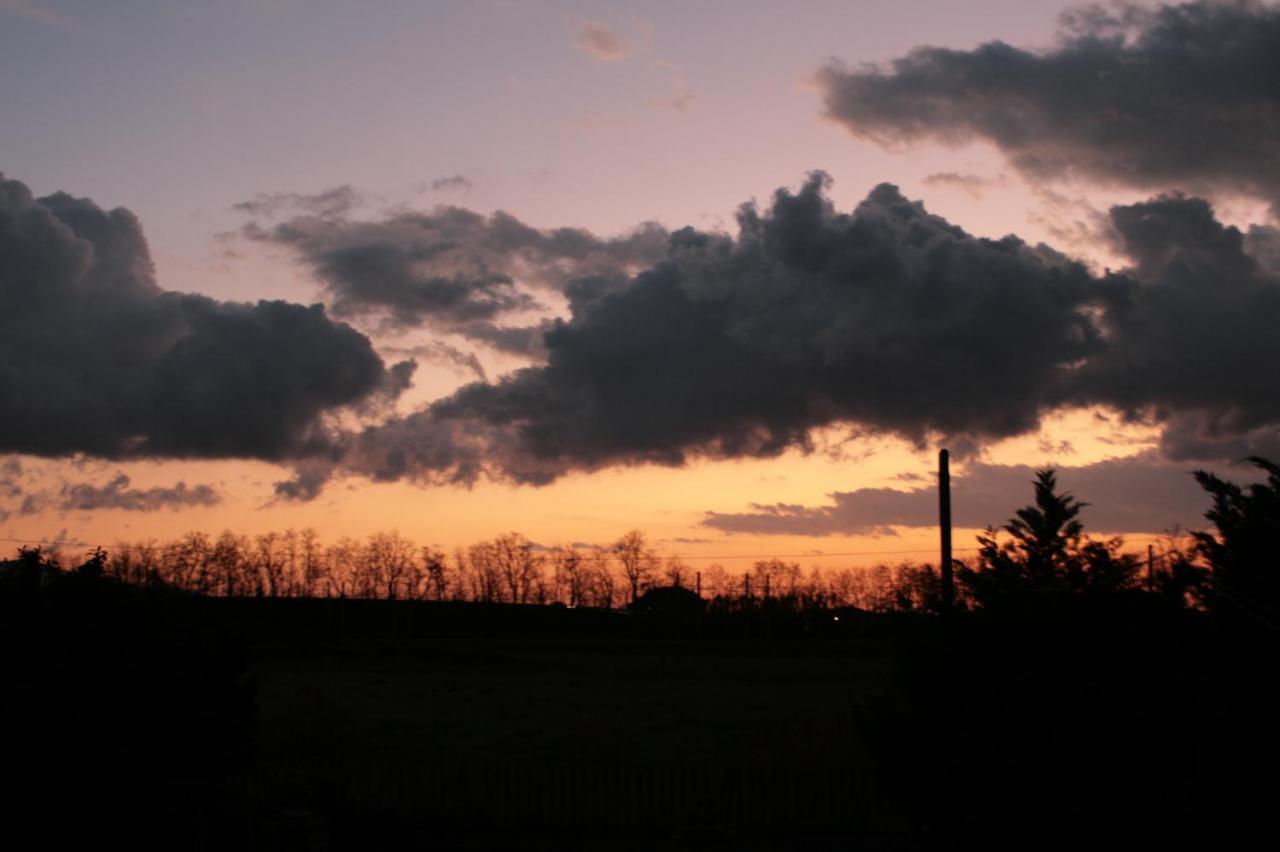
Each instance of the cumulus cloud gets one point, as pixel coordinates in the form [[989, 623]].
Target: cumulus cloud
[[889, 319], [601, 42], [1175, 97], [116, 494], [1194, 339], [96, 358], [1137, 494], [453, 270]]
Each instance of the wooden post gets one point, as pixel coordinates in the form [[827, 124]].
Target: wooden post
[[944, 529]]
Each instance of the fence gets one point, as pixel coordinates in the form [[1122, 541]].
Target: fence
[[613, 798]]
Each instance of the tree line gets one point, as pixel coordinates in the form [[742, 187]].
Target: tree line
[[1042, 549]]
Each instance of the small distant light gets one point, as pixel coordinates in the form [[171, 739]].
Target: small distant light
[[835, 618]]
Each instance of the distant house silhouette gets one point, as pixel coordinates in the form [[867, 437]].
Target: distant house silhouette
[[669, 601]]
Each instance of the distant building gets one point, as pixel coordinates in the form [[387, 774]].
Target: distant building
[[669, 601]]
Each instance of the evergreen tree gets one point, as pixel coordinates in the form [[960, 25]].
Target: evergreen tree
[[1241, 555], [1047, 550]]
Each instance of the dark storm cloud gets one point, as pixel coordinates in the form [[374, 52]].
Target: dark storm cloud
[[1142, 494], [116, 494], [888, 319], [1194, 341], [453, 270], [1178, 97], [96, 358]]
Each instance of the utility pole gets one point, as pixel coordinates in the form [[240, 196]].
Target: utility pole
[[944, 529]]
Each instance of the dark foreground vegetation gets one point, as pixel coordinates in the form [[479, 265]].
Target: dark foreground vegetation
[[1074, 694]]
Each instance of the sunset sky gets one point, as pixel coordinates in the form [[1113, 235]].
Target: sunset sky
[[1033, 233]]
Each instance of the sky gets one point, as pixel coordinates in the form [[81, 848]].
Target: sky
[[457, 269]]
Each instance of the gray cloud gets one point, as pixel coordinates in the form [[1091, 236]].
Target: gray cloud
[[453, 270], [1193, 341], [600, 42], [452, 183], [10, 478], [116, 494], [439, 352], [96, 358], [889, 319], [1173, 97], [331, 202], [1134, 495]]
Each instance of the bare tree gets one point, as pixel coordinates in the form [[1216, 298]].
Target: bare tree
[[464, 585], [598, 582], [435, 569], [269, 561], [291, 570], [775, 578], [344, 559], [389, 566], [519, 567], [228, 560], [568, 574], [676, 572], [486, 573], [315, 568], [637, 561]]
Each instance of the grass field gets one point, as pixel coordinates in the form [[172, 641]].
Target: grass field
[[643, 703], [388, 727]]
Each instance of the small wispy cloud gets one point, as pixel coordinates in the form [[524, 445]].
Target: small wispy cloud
[[680, 99], [116, 494], [450, 183], [601, 42], [331, 202], [972, 185], [34, 11]]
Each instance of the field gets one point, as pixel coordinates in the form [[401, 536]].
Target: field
[[643, 738]]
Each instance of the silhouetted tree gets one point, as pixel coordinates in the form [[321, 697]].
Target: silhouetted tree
[[568, 575], [94, 566], [1047, 551], [773, 577], [598, 582], [436, 571], [676, 572], [636, 560], [388, 569], [1241, 554]]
